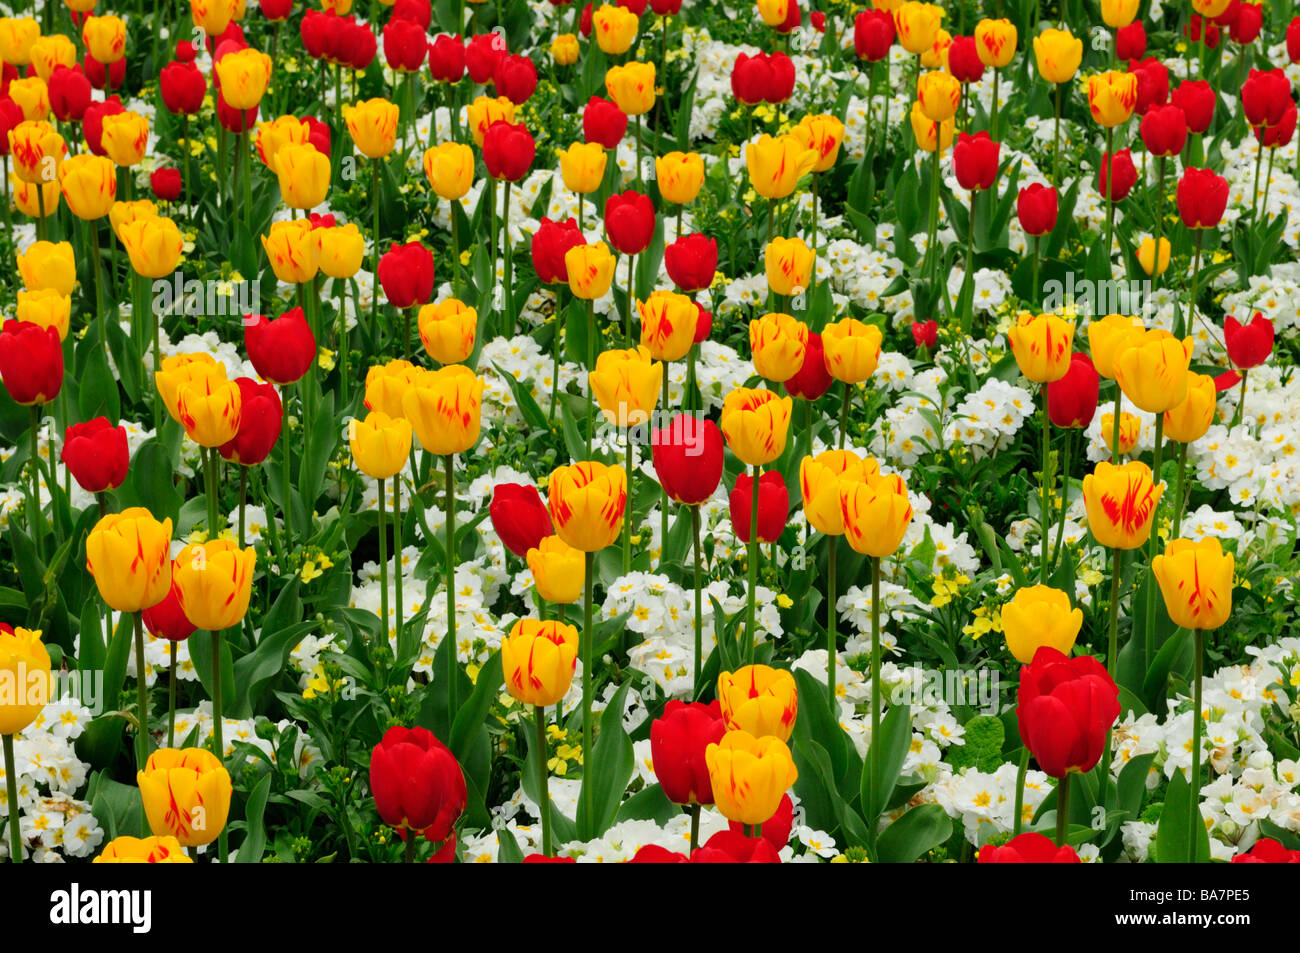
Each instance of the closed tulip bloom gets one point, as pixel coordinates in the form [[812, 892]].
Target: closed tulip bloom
[[1130, 428], [25, 668], [293, 249], [341, 249], [1112, 96], [630, 221], [995, 42], [1042, 345], [668, 323], [632, 87], [45, 308], [443, 407], [406, 274], [1121, 503], [48, 265], [51, 51], [28, 198], [626, 384], [939, 94], [213, 16], [1146, 256], [615, 28], [243, 76], [17, 34], [1249, 345], [519, 517], [417, 783], [590, 269], [1072, 400], [129, 556], [876, 513], [387, 384], [372, 124], [1211, 9], [1265, 96], [776, 165], [274, 135], [549, 245], [447, 330], [261, 415], [678, 741], [1058, 54], [583, 167], [823, 134], [1116, 175], [925, 333], [449, 167], [964, 61], [688, 457], [587, 501], [165, 183], [124, 137], [558, 569], [143, 850], [37, 151], [123, 213], [183, 86], [760, 700], [1202, 198], [304, 175], [1152, 370], [1196, 581], [564, 49], [852, 349], [282, 350], [1196, 99], [777, 342], [508, 150], [89, 185], [1119, 13], [820, 478], [32, 97], [917, 25], [679, 176], [1065, 708], [181, 369], [1189, 421], [1030, 848], [691, 262], [749, 775], [604, 122], [975, 161], [209, 410], [380, 444], [773, 506], [96, 453], [789, 265], [186, 795], [1038, 616], [104, 38], [538, 660], [931, 135], [482, 54], [1164, 130], [31, 362], [483, 112], [405, 45], [873, 35], [756, 423], [213, 582], [69, 94], [154, 246]]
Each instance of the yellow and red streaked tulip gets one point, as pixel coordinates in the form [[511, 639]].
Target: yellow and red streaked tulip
[[995, 42], [213, 582], [1152, 370], [244, 76], [449, 167], [1038, 616], [776, 165], [759, 699], [182, 369], [293, 249], [1121, 504], [756, 423], [153, 244], [565, 49], [1058, 54], [778, 343], [186, 795], [372, 124], [1188, 422], [46, 308], [586, 501], [626, 384], [538, 660], [387, 384], [1196, 581], [558, 570], [614, 28], [632, 87], [591, 270], [210, 409], [143, 850], [129, 556], [749, 775], [89, 185], [1042, 344], [788, 263], [823, 134], [125, 137], [37, 199], [939, 94], [668, 324], [917, 25], [444, 408], [679, 176], [1112, 96], [50, 52], [380, 444], [341, 249], [122, 213], [484, 111], [876, 513], [37, 150], [32, 96], [213, 16], [851, 349], [17, 34], [304, 175], [448, 330], [274, 135], [1106, 338], [930, 134], [104, 38], [1130, 428], [820, 478], [24, 665]]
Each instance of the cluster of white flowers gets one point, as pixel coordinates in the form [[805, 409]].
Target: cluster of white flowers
[[988, 419]]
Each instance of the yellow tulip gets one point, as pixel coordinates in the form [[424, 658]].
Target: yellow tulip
[[443, 407], [564, 49], [749, 775], [1112, 95], [448, 330], [183, 369], [274, 135], [774, 12], [936, 57], [1121, 503], [46, 308], [1196, 581], [939, 94], [212, 16], [293, 249], [129, 556], [995, 42], [32, 96], [820, 478], [37, 151], [1038, 616], [52, 51], [1130, 428], [48, 265], [373, 127], [213, 581], [125, 137], [36, 200], [1118, 14], [823, 134], [1042, 344], [105, 38], [1106, 338], [759, 699], [778, 343], [143, 850], [1187, 422], [615, 28], [449, 167], [928, 133], [1211, 8], [917, 25], [583, 167], [776, 165], [304, 176], [1146, 255], [154, 245], [186, 795], [210, 409], [789, 266], [380, 444], [538, 660], [852, 349], [483, 112], [89, 185], [121, 213], [341, 249], [244, 76], [756, 423], [558, 569], [25, 669], [586, 502], [591, 270], [668, 323], [17, 34], [626, 385], [1058, 53], [387, 384], [876, 513], [1152, 370], [679, 176], [632, 87]]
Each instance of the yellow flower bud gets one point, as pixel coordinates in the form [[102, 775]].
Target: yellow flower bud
[[48, 265], [1187, 422], [341, 249], [153, 244], [538, 660], [244, 76], [89, 185], [614, 28], [876, 513], [449, 167], [995, 42], [46, 308], [583, 167], [1042, 344], [820, 478], [129, 555], [591, 270], [631, 87], [186, 794], [1058, 53], [372, 124], [778, 343], [210, 409], [126, 135], [668, 323], [756, 423], [586, 502], [380, 444], [294, 250], [852, 349], [680, 176], [304, 175], [25, 669], [443, 407], [1152, 370], [759, 699], [1038, 616], [558, 569], [1112, 96], [1106, 338], [1196, 581], [776, 165], [789, 266], [626, 384], [749, 775], [213, 581], [448, 330]]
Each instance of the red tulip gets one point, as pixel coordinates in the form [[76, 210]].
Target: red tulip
[[235, 120], [1265, 96], [447, 59], [1196, 99], [1226, 381], [873, 35], [1193, 31], [751, 77], [319, 32], [1293, 40], [1036, 208], [167, 620], [406, 274], [519, 517], [1245, 28], [1064, 708], [666, 8], [1152, 84], [704, 326], [1072, 400], [654, 854], [1268, 851], [1249, 345], [584, 21], [186, 51], [818, 21], [102, 78], [781, 84], [282, 350], [482, 54], [687, 459], [975, 161], [634, 6], [417, 782], [728, 847], [515, 78], [1030, 848], [543, 859], [1164, 130], [1124, 174], [508, 150], [405, 44], [355, 44], [1202, 197], [925, 333], [692, 261], [318, 134], [417, 11], [677, 743], [92, 123], [776, 829], [1273, 137], [773, 506], [550, 243], [1131, 41], [812, 379], [96, 454], [603, 122], [31, 362], [630, 222], [69, 92], [793, 17], [276, 10], [964, 60], [11, 114], [260, 418], [166, 184]]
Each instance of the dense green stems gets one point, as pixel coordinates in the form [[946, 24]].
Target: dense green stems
[[171, 694], [831, 646], [1179, 502], [1112, 648], [35, 518], [1194, 812], [1020, 792], [543, 784], [246, 175], [591, 366], [43, 228], [243, 502], [1152, 543], [11, 788], [588, 636], [1062, 810], [751, 635], [699, 605], [1043, 524], [141, 696], [695, 827], [344, 380], [844, 414], [968, 304], [451, 581], [218, 745], [628, 517], [397, 552], [383, 560], [874, 753]]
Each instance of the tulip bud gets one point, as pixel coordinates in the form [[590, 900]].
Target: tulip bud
[[586, 504], [417, 783], [756, 423], [558, 570], [876, 513], [1064, 708], [626, 384], [749, 775], [25, 669], [1038, 616], [538, 660], [1042, 344], [129, 556], [688, 458], [773, 506], [443, 407], [1121, 503], [777, 342], [820, 479], [678, 741], [186, 795], [852, 349]]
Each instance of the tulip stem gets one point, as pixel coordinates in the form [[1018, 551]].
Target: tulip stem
[[993, 119], [1068, 437], [374, 238], [141, 695], [243, 501], [1112, 651], [627, 330], [171, 694], [591, 365], [452, 703], [286, 485], [750, 634], [1033, 292], [1056, 148], [1178, 491], [874, 753], [1196, 289], [932, 234], [1110, 205], [383, 561], [1062, 809], [1194, 810], [699, 605], [509, 268], [695, 827], [35, 519], [218, 745], [844, 415], [1114, 446], [408, 848], [1150, 621], [1159, 222], [831, 646], [1254, 192], [1240, 412], [397, 561], [93, 228], [210, 473], [543, 782], [630, 517], [1043, 524], [588, 636], [11, 788], [1020, 792]]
